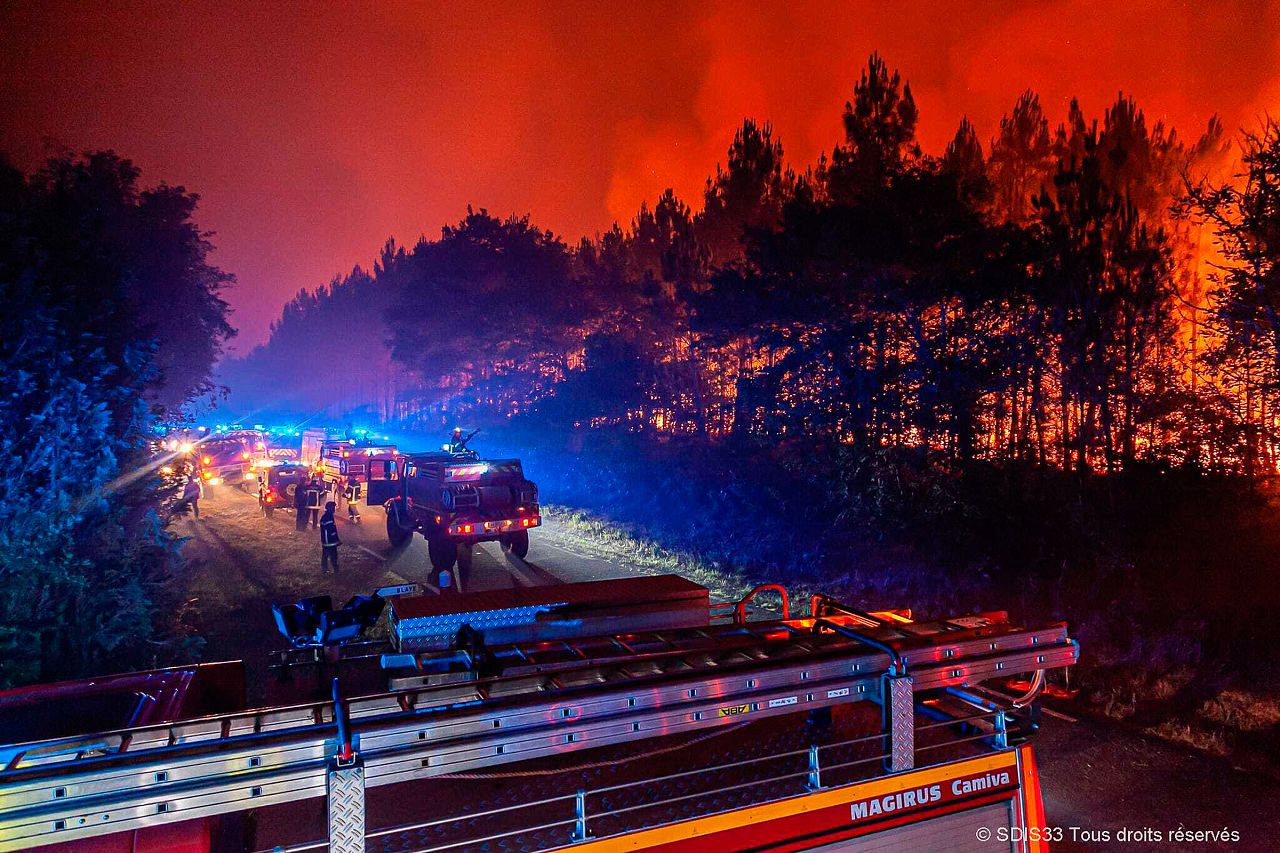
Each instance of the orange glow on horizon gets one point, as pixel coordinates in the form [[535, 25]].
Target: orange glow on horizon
[[314, 135]]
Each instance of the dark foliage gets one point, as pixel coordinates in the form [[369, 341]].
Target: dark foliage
[[112, 317]]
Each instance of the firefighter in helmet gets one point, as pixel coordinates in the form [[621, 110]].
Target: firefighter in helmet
[[352, 493], [458, 442]]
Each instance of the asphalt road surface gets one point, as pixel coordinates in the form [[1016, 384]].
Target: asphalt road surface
[[1103, 786]]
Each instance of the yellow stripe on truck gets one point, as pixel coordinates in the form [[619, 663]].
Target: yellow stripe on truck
[[705, 826]]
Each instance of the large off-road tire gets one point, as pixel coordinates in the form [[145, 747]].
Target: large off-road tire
[[443, 552], [395, 533], [518, 543]]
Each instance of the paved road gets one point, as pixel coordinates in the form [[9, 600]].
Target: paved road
[[243, 561], [1096, 778]]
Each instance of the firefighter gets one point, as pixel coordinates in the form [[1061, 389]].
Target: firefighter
[[300, 504], [458, 443], [192, 492], [352, 494], [329, 540], [315, 500]]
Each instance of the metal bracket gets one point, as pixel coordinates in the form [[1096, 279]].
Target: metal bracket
[[899, 722], [346, 807], [813, 781], [580, 831]]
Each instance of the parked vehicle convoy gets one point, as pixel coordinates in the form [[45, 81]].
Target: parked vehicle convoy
[[456, 501], [615, 715]]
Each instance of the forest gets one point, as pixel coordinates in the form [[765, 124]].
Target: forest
[[1038, 371], [1087, 295]]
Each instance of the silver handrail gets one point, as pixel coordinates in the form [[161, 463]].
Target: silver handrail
[[582, 819]]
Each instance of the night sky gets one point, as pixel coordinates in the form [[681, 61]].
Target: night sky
[[315, 132]]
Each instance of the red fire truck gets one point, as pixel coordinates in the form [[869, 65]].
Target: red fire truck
[[228, 457], [622, 715], [337, 458]]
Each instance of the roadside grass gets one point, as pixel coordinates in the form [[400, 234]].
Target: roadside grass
[[624, 545], [1242, 710]]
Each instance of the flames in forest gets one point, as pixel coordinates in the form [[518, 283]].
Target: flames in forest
[[1050, 295]]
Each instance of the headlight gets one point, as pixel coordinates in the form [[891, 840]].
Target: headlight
[[215, 481]]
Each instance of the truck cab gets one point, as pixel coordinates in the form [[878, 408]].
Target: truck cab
[[364, 460], [228, 458], [456, 501]]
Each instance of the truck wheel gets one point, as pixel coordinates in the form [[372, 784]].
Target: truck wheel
[[268, 511], [397, 534], [443, 552], [518, 543]]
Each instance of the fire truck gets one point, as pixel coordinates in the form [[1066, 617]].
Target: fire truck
[[457, 500], [339, 458], [228, 458], [619, 715]]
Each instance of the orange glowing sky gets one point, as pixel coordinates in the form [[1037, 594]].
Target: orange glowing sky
[[315, 131]]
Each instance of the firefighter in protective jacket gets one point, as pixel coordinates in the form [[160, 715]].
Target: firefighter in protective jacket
[[352, 494], [329, 540]]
